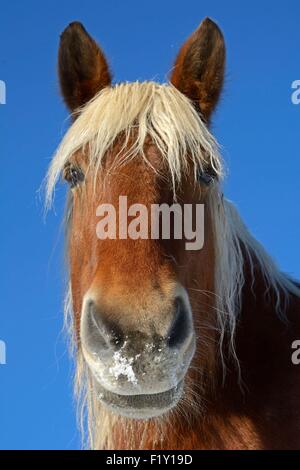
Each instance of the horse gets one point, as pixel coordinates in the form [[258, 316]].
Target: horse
[[174, 349]]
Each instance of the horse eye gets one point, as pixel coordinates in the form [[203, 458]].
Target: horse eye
[[73, 175], [207, 177]]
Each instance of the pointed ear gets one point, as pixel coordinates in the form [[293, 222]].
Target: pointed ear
[[82, 67], [199, 68]]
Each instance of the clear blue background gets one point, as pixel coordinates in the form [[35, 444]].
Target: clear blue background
[[256, 124]]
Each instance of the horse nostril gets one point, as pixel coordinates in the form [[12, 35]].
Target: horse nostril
[[181, 325], [100, 333]]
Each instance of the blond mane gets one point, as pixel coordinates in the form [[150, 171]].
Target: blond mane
[[158, 111]]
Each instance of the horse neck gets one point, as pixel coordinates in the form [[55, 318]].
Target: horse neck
[[264, 332]]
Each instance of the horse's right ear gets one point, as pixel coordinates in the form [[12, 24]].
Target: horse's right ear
[[82, 67]]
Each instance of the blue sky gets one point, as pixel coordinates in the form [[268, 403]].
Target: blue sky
[[256, 124]]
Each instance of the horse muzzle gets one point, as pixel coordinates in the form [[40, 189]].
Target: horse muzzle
[[138, 373]]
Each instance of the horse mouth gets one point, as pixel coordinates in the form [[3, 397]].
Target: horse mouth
[[142, 406]]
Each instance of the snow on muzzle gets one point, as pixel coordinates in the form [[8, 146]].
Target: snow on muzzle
[[136, 373]]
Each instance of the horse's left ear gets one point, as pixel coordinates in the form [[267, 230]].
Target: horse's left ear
[[199, 68], [82, 67]]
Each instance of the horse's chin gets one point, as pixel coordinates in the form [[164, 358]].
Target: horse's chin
[[142, 406]]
